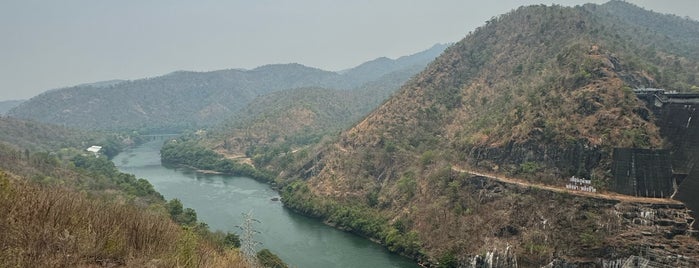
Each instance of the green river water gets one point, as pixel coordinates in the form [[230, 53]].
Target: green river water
[[220, 201]]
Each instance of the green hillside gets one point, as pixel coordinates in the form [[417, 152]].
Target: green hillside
[[172, 102], [63, 207], [272, 126], [190, 100]]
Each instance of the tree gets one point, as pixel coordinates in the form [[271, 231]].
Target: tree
[[174, 207], [231, 240], [188, 217], [269, 260]]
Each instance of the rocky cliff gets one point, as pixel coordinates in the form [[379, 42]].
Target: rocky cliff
[[540, 94]]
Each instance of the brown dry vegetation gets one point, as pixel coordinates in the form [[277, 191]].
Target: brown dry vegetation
[[57, 227], [541, 93]]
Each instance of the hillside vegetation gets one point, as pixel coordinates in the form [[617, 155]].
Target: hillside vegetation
[[266, 132], [541, 93], [62, 207], [55, 227], [35, 137], [190, 100]]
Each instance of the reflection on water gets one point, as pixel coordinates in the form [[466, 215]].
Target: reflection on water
[[220, 201]]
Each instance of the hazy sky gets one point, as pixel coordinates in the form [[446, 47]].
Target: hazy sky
[[49, 44]]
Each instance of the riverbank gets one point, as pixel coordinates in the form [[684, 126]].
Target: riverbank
[[188, 153], [220, 199]]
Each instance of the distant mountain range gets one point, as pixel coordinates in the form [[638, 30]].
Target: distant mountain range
[[298, 117], [459, 161], [188, 100], [6, 106]]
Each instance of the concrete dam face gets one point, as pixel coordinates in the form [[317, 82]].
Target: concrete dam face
[[677, 116], [679, 125], [642, 172]]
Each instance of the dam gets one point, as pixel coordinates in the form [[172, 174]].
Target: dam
[[647, 172]]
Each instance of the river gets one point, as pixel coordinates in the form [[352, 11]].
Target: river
[[220, 201]]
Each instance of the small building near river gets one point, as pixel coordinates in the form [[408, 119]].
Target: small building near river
[[95, 150]]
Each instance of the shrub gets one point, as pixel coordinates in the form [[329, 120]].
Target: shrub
[[269, 260]]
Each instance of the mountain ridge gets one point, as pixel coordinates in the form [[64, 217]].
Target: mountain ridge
[[7, 105], [540, 93], [183, 99]]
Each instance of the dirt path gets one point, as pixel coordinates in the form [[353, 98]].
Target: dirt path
[[600, 195], [241, 158]]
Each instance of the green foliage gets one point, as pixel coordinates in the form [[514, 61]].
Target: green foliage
[[191, 154], [190, 100], [407, 185], [96, 212], [427, 157], [591, 239], [34, 136], [406, 243], [373, 197], [111, 147], [231, 240], [518, 70], [269, 260], [637, 138], [185, 217], [186, 254], [447, 260], [174, 207], [107, 174], [529, 167], [357, 218]]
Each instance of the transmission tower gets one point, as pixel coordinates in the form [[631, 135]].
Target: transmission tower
[[248, 243]]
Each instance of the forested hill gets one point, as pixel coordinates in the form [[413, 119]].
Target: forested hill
[[278, 123], [187, 100], [33, 136], [374, 69], [541, 94], [63, 207], [5, 106]]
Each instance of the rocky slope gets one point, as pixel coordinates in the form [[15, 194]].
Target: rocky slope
[[541, 93]]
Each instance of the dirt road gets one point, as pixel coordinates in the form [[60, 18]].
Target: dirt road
[[600, 195]]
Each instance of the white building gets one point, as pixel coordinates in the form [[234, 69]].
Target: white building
[[95, 150]]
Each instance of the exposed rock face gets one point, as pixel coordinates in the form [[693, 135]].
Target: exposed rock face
[[540, 94], [578, 232]]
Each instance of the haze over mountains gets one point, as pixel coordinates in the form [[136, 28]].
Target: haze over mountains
[[6, 106], [540, 94], [456, 156], [188, 100]]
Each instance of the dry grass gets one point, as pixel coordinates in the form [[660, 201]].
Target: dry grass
[[55, 227]]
